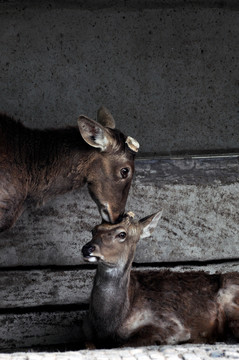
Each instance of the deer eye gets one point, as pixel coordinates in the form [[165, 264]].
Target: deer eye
[[122, 235], [124, 173]]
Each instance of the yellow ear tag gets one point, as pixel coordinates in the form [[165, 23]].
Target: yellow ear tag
[[132, 143], [130, 214]]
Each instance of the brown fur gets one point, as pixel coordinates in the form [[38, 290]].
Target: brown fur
[[132, 308], [38, 164]]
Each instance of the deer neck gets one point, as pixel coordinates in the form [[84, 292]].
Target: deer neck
[[109, 299], [57, 163]]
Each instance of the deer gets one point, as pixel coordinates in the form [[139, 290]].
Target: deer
[[153, 307], [36, 165]]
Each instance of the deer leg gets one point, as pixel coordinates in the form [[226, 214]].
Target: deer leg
[[145, 336], [229, 300], [232, 315], [171, 332], [88, 334]]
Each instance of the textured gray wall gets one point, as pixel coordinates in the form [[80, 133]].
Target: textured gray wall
[[168, 71], [200, 219]]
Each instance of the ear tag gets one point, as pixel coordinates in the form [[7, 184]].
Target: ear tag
[[132, 143], [130, 214]]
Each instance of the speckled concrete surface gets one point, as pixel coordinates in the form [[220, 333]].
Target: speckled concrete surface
[[168, 71], [183, 352]]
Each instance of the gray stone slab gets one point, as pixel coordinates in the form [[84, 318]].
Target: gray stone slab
[[29, 330], [188, 170], [200, 217], [43, 288], [33, 288]]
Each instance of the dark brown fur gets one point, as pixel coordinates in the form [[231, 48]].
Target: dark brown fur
[[38, 164], [154, 307]]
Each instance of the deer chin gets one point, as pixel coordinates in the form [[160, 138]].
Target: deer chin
[[92, 259]]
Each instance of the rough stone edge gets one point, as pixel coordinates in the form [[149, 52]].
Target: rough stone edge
[[185, 352]]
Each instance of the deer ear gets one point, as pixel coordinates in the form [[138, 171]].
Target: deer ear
[[149, 223], [105, 118], [93, 133]]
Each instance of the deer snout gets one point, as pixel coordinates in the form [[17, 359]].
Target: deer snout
[[105, 214], [87, 250], [109, 215]]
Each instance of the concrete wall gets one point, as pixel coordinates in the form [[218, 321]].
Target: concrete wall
[[168, 70]]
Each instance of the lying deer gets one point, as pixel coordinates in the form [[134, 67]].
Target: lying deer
[[153, 307], [38, 164]]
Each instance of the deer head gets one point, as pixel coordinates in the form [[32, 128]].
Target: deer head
[[112, 165], [115, 245]]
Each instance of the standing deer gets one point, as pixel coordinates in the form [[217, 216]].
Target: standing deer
[[38, 164], [153, 307]]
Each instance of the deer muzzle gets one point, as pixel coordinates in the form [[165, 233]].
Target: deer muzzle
[[87, 250]]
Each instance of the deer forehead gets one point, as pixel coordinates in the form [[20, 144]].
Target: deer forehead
[[120, 159], [108, 231], [111, 163], [125, 225]]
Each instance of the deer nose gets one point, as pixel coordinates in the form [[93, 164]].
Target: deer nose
[[87, 250], [109, 215], [105, 214]]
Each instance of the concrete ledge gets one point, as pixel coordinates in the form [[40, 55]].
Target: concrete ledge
[[184, 352]]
